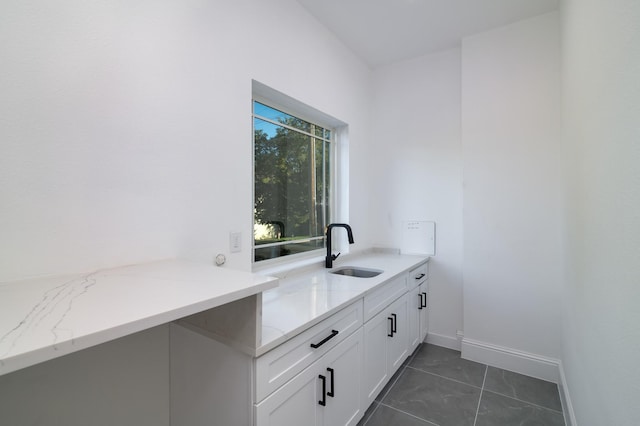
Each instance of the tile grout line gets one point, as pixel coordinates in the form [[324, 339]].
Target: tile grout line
[[409, 414], [400, 371], [444, 377], [481, 390], [525, 402]]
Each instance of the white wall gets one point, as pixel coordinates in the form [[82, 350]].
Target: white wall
[[125, 134], [512, 189], [601, 107], [416, 155], [126, 131]]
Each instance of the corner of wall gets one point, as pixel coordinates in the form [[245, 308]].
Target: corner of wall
[[533, 365], [444, 341], [565, 398]]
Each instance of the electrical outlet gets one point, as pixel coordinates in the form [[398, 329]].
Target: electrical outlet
[[235, 242]]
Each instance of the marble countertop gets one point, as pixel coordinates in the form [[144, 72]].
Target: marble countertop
[[44, 318], [303, 299]]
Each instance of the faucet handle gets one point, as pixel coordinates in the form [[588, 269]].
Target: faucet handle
[[335, 256]]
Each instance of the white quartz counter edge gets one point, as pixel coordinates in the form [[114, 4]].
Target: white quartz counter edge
[[44, 318], [305, 299]]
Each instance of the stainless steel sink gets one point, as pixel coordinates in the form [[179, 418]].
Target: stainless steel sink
[[351, 271]]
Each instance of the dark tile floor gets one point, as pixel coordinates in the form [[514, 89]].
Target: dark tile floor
[[435, 386]]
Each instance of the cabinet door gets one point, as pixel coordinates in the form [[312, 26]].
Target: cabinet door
[[424, 313], [295, 403], [398, 343], [343, 372], [333, 380], [414, 316], [375, 374]]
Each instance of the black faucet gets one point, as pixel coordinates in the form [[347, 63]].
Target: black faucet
[[328, 263]]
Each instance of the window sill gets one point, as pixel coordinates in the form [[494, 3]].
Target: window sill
[[285, 267]]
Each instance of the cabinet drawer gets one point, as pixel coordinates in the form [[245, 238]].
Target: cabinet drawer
[[279, 365], [418, 275], [381, 297]]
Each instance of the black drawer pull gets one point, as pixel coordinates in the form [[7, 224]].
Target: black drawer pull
[[425, 299], [395, 323], [331, 393], [419, 276], [325, 340], [323, 401], [390, 327]]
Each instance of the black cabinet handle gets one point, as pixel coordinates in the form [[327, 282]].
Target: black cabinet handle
[[421, 302], [331, 393], [325, 340], [323, 401], [419, 276], [394, 322], [425, 299]]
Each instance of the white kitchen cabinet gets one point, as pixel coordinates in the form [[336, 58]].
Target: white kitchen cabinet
[[398, 338], [375, 357], [355, 349], [418, 316], [296, 403], [414, 303], [326, 393], [344, 381], [385, 347], [281, 364], [424, 312], [418, 275]]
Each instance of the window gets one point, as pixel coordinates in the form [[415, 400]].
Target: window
[[292, 179]]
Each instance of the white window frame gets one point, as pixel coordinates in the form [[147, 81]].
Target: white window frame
[[338, 208]]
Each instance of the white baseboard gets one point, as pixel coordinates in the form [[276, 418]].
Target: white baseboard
[[541, 367], [526, 363], [567, 406], [444, 341]]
